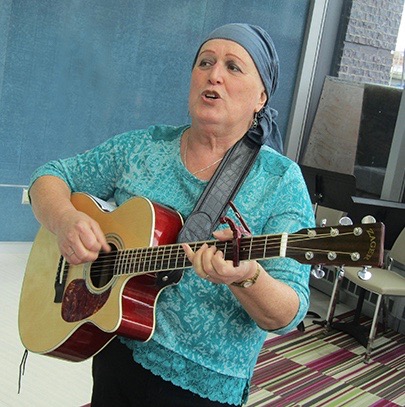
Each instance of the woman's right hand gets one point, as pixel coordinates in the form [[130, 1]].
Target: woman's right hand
[[80, 238]]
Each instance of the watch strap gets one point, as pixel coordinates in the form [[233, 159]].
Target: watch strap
[[249, 281]]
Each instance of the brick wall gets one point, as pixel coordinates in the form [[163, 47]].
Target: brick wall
[[371, 36]]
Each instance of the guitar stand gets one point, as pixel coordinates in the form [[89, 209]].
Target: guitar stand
[[354, 328]]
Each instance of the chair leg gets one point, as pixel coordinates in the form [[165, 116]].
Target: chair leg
[[384, 305], [373, 329], [334, 297]]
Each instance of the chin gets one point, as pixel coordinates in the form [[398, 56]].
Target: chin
[[207, 118]]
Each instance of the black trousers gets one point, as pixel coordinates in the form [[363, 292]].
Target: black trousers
[[118, 381]]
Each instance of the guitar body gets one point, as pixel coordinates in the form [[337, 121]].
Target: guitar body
[[72, 312]]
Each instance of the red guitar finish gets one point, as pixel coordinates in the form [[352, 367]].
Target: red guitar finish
[[90, 315]]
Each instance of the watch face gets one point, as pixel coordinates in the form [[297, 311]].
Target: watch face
[[247, 284]]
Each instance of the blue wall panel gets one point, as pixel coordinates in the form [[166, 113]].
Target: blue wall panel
[[74, 72], [17, 221]]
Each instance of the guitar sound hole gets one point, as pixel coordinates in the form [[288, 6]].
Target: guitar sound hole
[[102, 270]]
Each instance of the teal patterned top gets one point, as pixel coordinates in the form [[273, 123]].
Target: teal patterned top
[[204, 340]]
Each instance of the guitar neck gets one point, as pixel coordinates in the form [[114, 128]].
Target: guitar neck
[[172, 257], [343, 245]]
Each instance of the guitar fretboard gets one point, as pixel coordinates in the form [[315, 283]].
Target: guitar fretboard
[[172, 257]]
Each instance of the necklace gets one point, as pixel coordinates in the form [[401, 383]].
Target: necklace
[[202, 169]]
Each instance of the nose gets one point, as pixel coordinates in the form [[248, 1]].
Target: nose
[[216, 75]]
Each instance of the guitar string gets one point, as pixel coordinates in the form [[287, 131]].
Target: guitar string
[[160, 251], [156, 260], [157, 255], [246, 241]]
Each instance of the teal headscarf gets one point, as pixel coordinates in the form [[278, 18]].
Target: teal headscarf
[[258, 43]]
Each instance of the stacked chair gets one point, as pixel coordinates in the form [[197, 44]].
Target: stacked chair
[[383, 282]]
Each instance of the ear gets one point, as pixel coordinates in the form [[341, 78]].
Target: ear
[[262, 101]]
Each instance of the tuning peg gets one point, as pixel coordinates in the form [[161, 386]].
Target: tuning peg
[[364, 274], [340, 271], [317, 272], [368, 219], [345, 221]]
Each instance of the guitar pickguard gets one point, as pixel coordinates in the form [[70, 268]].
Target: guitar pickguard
[[79, 303]]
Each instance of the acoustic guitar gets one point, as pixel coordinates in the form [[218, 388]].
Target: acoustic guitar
[[73, 311]]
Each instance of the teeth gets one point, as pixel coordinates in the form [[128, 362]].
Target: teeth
[[211, 95]]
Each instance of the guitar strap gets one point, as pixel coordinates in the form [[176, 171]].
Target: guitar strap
[[214, 201]]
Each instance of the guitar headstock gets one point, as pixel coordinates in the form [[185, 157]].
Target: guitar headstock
[[353, 245]]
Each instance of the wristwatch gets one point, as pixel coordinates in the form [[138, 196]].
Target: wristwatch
[[249, 281]]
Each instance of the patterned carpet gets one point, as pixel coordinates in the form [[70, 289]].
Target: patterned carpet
[[313, 369]]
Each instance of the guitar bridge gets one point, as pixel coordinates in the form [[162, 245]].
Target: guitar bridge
[[60, 280]]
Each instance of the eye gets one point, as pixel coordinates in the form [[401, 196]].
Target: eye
[[205, 62], [232, 66]]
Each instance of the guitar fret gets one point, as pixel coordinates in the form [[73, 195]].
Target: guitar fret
[[180, 251], [151, 252], [173, 262], [124, 263], [157, 257], [117, 264], [129, 261], [265, 246], [162, 258], [250, 247], [121, 263], [139, 260], [149, 257], [176, 260], [225, 249], [144, 258], [169, 257], [134, 261]]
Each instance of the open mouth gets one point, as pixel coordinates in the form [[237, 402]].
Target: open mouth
[[211, 95]]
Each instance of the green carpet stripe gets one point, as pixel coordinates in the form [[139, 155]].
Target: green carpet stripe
[[345, 395]]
